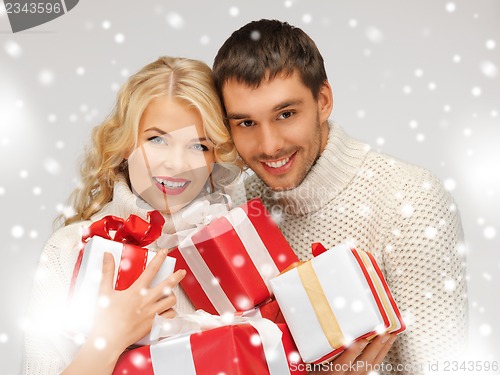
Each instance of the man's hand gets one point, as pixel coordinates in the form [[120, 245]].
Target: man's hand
[[360, 358]]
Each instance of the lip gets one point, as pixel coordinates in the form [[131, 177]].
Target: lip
[[281, 170], [171, 190]]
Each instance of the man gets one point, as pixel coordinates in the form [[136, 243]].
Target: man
[[327, 187]]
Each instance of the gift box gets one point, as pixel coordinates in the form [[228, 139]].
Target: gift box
[[267, 310], [230, 261], [333, 299], [241, 349], [124, 240]]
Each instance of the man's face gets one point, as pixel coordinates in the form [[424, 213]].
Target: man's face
[[279, 129]]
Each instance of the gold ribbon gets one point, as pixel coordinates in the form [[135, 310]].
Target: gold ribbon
[[381, 293], [319, 302]]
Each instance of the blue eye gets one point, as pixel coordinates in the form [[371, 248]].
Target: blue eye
[[157, 140], [200, 147]]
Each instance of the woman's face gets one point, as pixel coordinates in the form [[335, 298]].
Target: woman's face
[[174, 159]]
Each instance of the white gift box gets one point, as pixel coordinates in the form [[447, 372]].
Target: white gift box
[[346, 304], [130, 261]]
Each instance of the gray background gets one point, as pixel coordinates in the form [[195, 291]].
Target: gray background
[[415, 79]]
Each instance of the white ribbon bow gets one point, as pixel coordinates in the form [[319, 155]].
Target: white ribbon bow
[[199, 214]]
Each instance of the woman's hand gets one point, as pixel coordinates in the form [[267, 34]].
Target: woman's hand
[[124, 317], [360, 358]]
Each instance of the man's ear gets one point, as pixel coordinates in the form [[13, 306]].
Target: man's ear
[[325, 102]]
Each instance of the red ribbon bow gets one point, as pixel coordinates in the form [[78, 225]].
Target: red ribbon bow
[[133, 230]]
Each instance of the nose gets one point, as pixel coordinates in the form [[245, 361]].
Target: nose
[[271, 139], [176, 160]]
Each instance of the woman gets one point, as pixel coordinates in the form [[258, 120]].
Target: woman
[[161, 149]]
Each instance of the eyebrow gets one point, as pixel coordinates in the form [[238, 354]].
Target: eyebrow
[[278, 107], [163, 132]]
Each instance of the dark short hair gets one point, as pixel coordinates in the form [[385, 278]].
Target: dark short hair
[[266, 48]]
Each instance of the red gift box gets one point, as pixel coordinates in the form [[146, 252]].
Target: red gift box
[[123, 239], [229, 262], [268, 310], [235, 349]]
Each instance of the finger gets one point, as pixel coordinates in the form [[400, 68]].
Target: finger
[[373, 350], [166, 286], [383, 352], [108, 274], [152, 269], [164, 304], [352, 352], [169, 314]]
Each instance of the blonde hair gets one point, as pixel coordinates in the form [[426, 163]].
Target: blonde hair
[[180, 78]]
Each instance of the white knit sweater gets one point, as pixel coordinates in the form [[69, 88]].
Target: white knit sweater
[[47, 350], [403, 216]]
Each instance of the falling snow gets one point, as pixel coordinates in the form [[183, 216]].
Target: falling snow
[[17, 231], [13, 49], [175, 20]]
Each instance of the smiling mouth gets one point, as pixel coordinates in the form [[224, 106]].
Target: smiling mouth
[[280, 166], [171, 186]]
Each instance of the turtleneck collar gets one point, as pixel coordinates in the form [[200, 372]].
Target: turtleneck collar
[[335, 168], [125, 203]]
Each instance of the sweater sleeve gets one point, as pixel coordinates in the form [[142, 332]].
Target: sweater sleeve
[[46, 349], [424, 261]]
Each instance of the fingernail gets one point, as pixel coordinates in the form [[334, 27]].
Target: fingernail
[[385, 338], [106, 258], [163, 251], [393, 338], [363, 344]]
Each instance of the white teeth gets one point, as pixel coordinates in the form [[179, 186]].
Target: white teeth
[[277, 164], [170, 184]]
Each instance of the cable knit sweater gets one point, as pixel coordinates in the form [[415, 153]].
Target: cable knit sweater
[[47, 350], [403, 216]]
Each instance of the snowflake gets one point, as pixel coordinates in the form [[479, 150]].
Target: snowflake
[[476, 91], [357, 306], [449, 184], [339, 302], [238, 261], [374, 35], [490, 44], [100, 343], [13, 49], [17, 231], [234, 11], [119, 38], [307, 18], [175, 20], [489, 69], [451, 7], [407, 210], [485, 330], [46, 77], [106, 25], [255, 340], [489, 232], [80, 70], [450, 285], [3, 338]]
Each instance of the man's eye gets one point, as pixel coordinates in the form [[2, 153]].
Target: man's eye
[[285, 115], [246, 123], [199, 147]]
